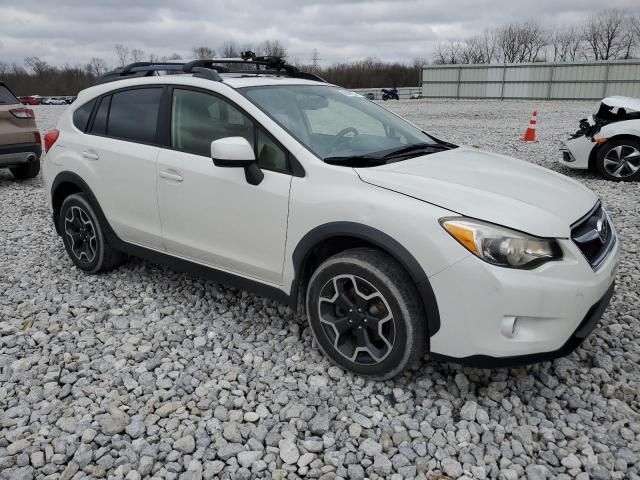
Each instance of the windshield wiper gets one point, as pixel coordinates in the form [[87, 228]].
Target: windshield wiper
[[355, 161], [419, 147]]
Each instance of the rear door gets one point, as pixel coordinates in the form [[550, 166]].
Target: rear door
[[120, 149], [14, 130]]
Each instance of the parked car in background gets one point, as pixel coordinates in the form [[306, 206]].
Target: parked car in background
[[416, 96], [20, 146], [393, 242], [31, 100], [54, 101], [608, 141]]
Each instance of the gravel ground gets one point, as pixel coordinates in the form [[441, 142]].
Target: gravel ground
[[148, 372]]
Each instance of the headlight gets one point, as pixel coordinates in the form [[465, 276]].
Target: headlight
[[501, 246]]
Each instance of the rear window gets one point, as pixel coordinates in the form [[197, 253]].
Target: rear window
[[81, 115], [134, 114], [6, 97]]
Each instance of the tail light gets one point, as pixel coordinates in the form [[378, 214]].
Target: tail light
[[36, 137], [22, 113], [50, 138]]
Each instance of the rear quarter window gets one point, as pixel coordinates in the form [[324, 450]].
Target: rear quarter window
[[6, 97], [82, 114]]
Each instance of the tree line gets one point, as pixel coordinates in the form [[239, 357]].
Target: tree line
[[610, 35]]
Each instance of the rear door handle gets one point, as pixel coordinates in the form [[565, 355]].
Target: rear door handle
[[171, 176], [90, 155]]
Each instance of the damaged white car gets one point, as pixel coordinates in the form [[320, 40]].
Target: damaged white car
[[608, 141]]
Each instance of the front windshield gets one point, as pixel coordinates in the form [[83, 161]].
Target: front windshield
[[336, 124]]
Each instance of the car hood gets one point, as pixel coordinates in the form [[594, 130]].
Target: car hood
[[490, 187], [622, 102]]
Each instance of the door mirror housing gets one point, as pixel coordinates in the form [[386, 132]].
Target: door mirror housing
[[234, 152]]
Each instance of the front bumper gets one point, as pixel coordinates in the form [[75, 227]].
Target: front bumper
[[18, 154], [581, 333], [492, 316], [576, 152]]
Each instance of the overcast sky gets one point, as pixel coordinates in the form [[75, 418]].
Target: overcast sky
[[71, 31]]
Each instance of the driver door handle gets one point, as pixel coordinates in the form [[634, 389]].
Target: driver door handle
[[174, 177]]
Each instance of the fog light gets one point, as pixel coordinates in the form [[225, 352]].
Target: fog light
[[509, 326]]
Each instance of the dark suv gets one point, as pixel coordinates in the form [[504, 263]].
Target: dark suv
[[20, 145]]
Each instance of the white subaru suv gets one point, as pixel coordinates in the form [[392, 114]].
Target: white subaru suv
[[393, 242]]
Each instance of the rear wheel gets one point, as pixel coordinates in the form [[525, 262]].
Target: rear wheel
[[83, 236], [619, 160], [365, 313], [26, 170]]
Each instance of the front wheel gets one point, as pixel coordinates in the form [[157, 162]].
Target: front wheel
[[365, 313], [619, 160]]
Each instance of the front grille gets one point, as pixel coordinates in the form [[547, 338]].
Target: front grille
[[594, 235]]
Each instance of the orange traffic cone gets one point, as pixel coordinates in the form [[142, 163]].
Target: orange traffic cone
[[530, 133]]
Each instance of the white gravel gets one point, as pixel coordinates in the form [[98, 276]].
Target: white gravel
[[148, 372]]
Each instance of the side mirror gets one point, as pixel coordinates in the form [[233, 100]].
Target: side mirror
[[237, 152]]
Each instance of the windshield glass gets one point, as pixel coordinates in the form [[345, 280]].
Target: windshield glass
[[336, 124]]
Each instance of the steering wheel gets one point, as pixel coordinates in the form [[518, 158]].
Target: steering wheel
[[341, 136]]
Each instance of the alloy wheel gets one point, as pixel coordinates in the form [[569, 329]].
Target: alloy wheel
[[622, 161], [81, 234], [357, 319]]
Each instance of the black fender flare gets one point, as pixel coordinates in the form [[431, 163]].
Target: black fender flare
[[379, 239], [75, 179]]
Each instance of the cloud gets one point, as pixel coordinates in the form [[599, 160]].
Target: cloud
[[73, 31]]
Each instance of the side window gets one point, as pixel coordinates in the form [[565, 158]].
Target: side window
[[269, 154], [198, 118], [82, 114], [134, 114], [99, 126]]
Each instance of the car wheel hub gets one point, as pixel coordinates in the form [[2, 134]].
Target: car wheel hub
[[622, 161], [357, 319], [81, 234]]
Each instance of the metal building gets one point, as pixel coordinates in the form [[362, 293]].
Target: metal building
[[549, 81]]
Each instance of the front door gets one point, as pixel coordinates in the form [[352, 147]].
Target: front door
[[210, 214]]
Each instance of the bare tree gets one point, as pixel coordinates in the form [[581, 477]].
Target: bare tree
[[273, 48], [607, 35], [634, 27], [172, 57], [230, 49], [96, 67], [137, 55], [122, 52], [203, 52], [521, 42], [448, 53], [36, 64], [566, 44], [489, 45]]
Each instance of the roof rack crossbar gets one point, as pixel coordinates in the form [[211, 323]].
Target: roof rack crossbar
[[212, 67]]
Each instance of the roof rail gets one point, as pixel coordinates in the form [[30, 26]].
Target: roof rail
[[211, 68]]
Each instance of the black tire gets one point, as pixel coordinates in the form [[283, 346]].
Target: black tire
[[399, 342], [27, 170], [613, 160], [90, 251]]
